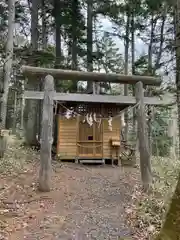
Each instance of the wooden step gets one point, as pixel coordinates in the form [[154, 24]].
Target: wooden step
[[100, 161]]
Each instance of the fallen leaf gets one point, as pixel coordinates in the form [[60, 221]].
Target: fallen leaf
[[128, 210], [151, 228], [25, 225]]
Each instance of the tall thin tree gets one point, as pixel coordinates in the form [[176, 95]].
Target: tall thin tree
[[44, 24], [133, 60], [126, 68], [74, 33], [8, 61], [31, 108], [57, 15], [89, 41]]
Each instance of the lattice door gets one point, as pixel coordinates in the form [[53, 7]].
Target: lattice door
[[90, 140]]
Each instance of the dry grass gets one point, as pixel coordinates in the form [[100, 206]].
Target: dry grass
[[166, 170], [150, 209]]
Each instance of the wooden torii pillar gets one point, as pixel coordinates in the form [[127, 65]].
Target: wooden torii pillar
[[145, 160], [46, 136]]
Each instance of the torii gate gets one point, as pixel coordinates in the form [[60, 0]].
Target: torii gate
[[49, 95]]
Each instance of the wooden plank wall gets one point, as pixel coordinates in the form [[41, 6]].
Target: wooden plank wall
[[67, 137], [66, 145], [108, 135]]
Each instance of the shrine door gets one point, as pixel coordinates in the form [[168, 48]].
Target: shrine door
[[90, 140]]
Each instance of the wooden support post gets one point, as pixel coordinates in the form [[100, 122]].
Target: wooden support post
[[46, 136], [145, 164]]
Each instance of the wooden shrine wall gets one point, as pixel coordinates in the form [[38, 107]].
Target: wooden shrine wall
[[68, 131], [66, 143]]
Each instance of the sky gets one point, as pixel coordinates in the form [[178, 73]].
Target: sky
[[140, 47]]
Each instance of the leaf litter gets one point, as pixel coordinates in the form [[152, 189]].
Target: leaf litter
[[86, 202], [145, 215]]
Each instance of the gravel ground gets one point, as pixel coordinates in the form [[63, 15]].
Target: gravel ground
[[86, 202]]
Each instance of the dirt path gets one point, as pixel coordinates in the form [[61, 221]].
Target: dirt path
[[85, 203]]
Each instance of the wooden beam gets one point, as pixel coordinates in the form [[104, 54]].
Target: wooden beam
[[75, 97], [145, 160], [90, 76]]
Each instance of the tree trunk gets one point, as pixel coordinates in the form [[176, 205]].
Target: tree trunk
[[177, 47], [8, 61], [74, 33], [74, 64], [152, 69], [133, 66], [133, 46], [89, 41], [31, 108], [34, 25], [150, 73], [44, 25], [126, 71], [58, 24], [44, 47], [57, 12], [30, 115]]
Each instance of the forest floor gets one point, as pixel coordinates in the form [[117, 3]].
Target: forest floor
[[86, 202]]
